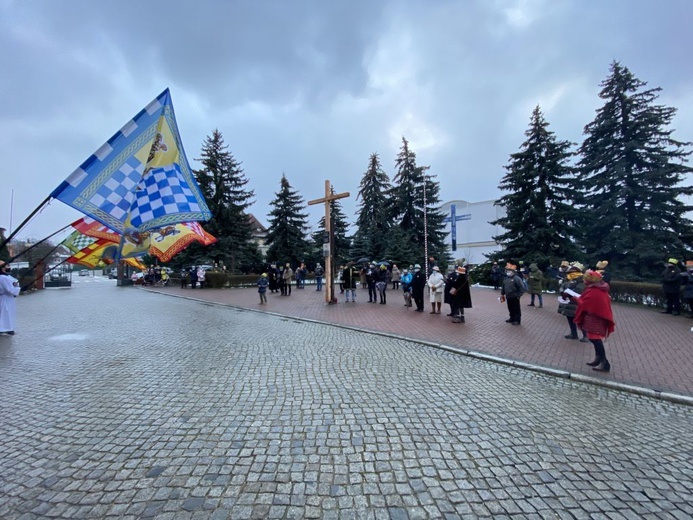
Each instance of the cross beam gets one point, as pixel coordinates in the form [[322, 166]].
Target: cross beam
[[453, 219], [329, 247]]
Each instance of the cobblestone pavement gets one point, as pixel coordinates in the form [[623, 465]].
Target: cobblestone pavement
[[648, 349], [118, 402]]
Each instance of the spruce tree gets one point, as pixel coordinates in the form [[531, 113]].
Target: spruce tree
[[287, 227], [539, 225], [632, 170], [223, 183], [372, 222], [407, 208], [398, 249]]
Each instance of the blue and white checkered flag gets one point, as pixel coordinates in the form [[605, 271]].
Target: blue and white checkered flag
[[140, 178]]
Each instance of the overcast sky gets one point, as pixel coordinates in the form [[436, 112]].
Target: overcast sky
[[312, 88]]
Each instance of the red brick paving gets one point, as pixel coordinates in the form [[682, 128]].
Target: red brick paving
[[648, 349]]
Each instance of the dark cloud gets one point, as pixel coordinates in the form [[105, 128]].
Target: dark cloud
[[311, 88]]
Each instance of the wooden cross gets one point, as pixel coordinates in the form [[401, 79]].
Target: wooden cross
[[327, 199]]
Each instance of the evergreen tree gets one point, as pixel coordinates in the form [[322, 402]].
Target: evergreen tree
[[407, 208], [372, 220], [399, 250], [287, 227], [632, 171], [540, 219], [223, 183]]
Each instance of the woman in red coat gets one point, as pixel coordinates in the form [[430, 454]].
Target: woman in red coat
[[594, 316]]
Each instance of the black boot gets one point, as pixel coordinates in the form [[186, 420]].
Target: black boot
[[604, 366], [600, 354]]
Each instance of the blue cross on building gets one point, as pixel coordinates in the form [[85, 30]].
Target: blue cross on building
[[453, 219]]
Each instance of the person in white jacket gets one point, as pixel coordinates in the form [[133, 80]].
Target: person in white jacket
[[436, 285], [9, 290]]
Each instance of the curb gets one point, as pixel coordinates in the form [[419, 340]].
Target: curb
[[580, 378]]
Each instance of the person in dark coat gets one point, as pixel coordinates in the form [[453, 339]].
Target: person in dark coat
[[552, 278], [496, 275], [193, 277], [688, 287], [671, 285], [371, 278], [512, 290], [447, 297], [567, 303], [462, 297], [535, 282], [418, 283], [381, 283], [349, 274], [272, 278]]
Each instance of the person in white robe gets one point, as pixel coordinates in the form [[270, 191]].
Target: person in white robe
[[9, 290]]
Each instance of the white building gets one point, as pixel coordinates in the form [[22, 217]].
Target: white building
[[474, 232]]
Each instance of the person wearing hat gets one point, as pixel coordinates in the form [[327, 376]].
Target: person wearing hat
[[671, 285], [436, 284], [570, 291], [418, 283], [562, 271], [460, 295], [262, 284], [688, 287], [512, 290], [594, 315], [602, 269], [9, 290], [496, 275]]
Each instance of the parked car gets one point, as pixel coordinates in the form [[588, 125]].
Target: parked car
[[112, 273], [84, 272]]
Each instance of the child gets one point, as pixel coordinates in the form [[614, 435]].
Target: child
[[262, 284]]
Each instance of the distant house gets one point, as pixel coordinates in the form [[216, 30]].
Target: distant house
[[259, 234], [475, 233]]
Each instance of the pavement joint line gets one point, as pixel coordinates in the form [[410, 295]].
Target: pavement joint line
[[612, 385]]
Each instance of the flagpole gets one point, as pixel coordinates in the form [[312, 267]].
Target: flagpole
[[26, 220], [37, 244]]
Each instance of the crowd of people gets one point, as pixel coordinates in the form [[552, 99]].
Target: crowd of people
[[584, 297], [193, 277], [379, 279]]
